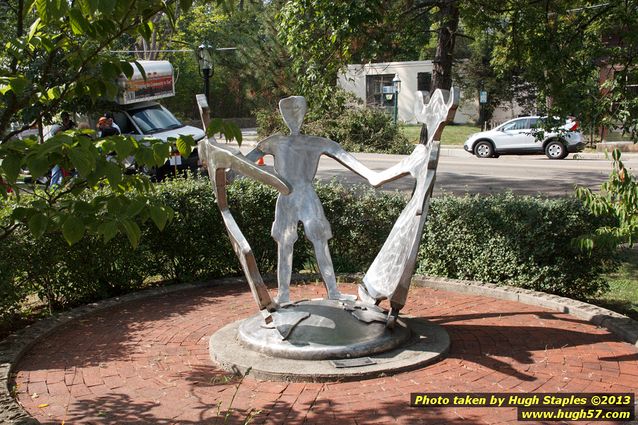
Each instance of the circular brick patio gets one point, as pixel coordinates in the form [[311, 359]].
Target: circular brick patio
[[147, 362]]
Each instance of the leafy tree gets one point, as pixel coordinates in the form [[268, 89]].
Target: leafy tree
[[323, 36], [567, 49], [253, 75], [57, 53]]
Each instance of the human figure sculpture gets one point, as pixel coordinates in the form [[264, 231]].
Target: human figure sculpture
[[296, 161]]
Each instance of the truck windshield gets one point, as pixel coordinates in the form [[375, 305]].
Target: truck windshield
[[154, 119]]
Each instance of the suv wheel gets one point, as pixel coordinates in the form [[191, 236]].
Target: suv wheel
[[555, 150], [483, 149]]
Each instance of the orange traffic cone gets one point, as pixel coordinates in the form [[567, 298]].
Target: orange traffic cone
[[260, 161]]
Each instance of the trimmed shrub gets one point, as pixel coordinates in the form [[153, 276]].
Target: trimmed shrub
[[517, 240], [194, 246], [522, 241], [12, 290]]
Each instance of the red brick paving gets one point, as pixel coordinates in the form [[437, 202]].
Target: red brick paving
[[147, 363]]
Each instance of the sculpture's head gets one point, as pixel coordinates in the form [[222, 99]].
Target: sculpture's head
[[293, 109]]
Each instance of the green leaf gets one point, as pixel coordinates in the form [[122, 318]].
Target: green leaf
[[140, 68], [54, 93], [123, 147], [108, 230], [134, 208], [616, 154], [42, 7], [38, 224], [35, 26], [107, 6], [113, 173], [184, 145], [11, 166], [18, 84], [132, 231], [79, 24], [110, 71], [127, 69], [81, 161], [214, 126], [38, 165], [158, 154], [73, 230], [159, 216]]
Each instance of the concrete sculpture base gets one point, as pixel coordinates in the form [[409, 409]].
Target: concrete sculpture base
[[324, 340]]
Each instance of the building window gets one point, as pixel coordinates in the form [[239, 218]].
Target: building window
[[423, 81], [379, 90]]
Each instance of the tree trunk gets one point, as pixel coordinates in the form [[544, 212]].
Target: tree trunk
[[448, 25], [442, 64]]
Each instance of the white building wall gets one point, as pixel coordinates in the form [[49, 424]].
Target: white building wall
[[354, 81]]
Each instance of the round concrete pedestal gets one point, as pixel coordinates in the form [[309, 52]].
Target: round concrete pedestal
[[322, 329], [324, 340]]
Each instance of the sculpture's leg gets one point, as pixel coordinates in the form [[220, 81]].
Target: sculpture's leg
[[393, 314], [284, 270], [324, 261]]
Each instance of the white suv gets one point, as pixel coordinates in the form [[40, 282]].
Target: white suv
[[525, 135]]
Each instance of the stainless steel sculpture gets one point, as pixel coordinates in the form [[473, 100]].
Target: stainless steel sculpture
[[296, 158], [391, 271]]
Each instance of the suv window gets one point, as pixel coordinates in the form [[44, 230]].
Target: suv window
[[521, 124]]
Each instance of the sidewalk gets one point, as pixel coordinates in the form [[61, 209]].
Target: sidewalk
[[147, 361]]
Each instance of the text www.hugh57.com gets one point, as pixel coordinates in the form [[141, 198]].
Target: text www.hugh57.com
[[525, 414]]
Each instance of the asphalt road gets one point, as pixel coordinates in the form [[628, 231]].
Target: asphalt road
[[460, 173]]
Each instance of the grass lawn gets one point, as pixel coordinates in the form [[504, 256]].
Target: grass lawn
[[623, 287], [452, 134]]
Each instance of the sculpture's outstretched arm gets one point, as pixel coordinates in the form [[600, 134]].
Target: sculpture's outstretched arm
[[218, 159], [408, 165], [335, 151], [264, 147]]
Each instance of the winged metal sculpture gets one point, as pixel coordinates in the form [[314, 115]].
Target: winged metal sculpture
[[296, 159]]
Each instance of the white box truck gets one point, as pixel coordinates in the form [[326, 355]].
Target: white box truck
[[140, 115]]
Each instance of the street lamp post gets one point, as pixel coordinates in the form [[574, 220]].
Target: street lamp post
[[396, 82], [205, 60]]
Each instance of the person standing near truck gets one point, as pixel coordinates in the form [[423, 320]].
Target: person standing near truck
[[109, 115], [105, 127]]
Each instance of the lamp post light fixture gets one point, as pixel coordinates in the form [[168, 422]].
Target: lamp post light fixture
[[205, 59], [396, 82]]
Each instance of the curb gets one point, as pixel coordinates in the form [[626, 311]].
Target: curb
[[16, 345]]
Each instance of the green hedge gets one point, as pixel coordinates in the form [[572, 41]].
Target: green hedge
[[523, 241], [516, 240]]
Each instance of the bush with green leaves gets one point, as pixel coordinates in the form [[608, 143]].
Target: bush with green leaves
[[522, 241], [363, 130], [617, 198], [516, 240], [356, 129]]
